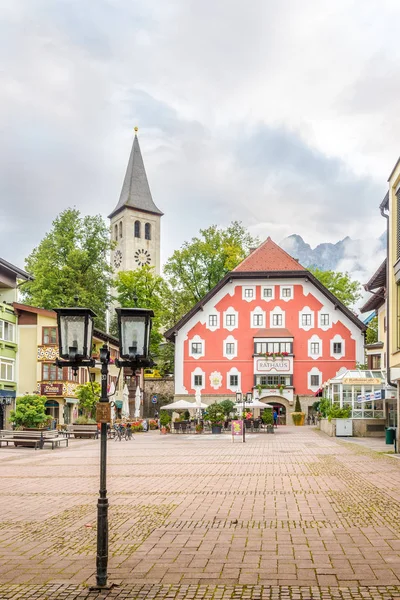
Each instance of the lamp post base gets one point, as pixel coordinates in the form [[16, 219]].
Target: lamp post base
[[97, 588]]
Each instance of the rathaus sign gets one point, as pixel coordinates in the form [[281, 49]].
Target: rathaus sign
[[266, 365]]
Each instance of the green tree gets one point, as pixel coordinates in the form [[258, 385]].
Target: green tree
[[297, 406], [341, 286], [88, 395], [166, 358], [29, 411], [71, 260], [201, 263], [144, 288], [371, 335], [227, 407]]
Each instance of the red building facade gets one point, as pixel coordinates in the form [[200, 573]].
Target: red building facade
[[268, 327]]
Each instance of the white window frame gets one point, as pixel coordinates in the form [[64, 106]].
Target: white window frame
[[3, 325], [198, 371], [245, 290], [277, 311], [314, 371], [315, 340], [325, 315], [8, 362], [230, 312], [201, 380], [197, 340], [306, 312], [230, 382], [337, 339], [230, 340], [316, 350], [286, 287], [325, 311], [234, 388], [268, 298], [277, 316], [214, 313], [259, 312]]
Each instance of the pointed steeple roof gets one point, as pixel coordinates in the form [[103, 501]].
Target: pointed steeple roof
[[269, 257], [135, 191]]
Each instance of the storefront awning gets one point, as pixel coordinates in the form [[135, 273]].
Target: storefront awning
[[71, 400]]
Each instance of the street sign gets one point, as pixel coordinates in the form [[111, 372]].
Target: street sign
[[154, 399], [103, 412]]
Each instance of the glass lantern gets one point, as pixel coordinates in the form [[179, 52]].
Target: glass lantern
[[75, 333], [134, 327]]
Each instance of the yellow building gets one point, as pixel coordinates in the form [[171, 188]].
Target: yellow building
[[38, 343], [390, 209], [376, 352]]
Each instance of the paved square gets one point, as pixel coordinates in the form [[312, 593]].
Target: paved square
[[295, 514]]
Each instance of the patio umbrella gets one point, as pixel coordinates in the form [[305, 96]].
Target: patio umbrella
[[137, 403], [125, 402], [199, 404], [253, 404], [179, 405]]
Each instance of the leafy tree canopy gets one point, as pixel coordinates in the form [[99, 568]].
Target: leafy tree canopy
[[88, 395], [201, 263], [371, 335], [341, 285], [70, 261], [29, 411], [144, 288]]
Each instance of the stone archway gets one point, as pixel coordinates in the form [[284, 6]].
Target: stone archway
[[282, 406]]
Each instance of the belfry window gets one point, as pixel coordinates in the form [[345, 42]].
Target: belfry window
[[137, 229], [147, 231], [116, 232], [120, 229]]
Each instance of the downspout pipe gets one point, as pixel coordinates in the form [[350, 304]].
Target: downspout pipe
[[388, 380]]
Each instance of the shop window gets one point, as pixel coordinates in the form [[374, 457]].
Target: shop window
[[137, 229], [49, 335], [147, 231]]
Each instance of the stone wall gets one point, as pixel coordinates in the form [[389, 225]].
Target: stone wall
[[328, 427], [360, 427], [163, 388]]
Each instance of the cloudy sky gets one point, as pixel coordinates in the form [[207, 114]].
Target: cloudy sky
[[283, 115]]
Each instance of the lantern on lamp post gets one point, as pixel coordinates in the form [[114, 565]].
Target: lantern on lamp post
[[75, 336]]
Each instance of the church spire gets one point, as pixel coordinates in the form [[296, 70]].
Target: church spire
[[135, 191]]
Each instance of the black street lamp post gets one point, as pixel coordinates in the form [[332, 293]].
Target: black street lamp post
[[245, 399], [75, 334]]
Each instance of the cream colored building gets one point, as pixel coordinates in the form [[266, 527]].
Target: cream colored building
[[390, 209], [38, 344], [135, 221]]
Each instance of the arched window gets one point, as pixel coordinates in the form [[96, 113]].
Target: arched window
[[137, 229], [120, 229], [147, 231], [116, 232]]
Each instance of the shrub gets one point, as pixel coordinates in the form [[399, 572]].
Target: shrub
[[215, 414], [267, 416], [153, 424], [165, 418], [297, 406], [324, 407], [335, 412], [29, 411], [199, 428], [82, 420], [297, 417]]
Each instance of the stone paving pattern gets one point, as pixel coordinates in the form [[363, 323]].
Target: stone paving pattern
[[290, 515]]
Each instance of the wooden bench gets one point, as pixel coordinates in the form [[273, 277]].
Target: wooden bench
[[89, 431], [36, 439]]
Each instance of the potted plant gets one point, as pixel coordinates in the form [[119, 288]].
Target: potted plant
[[268, 419], [215, 415], [29, 414], [199, 428], [165, 420], [298, 416]]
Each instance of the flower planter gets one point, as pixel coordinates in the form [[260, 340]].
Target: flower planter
[[216, 428]]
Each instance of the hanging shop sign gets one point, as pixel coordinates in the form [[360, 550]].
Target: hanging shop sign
[[51, 389]]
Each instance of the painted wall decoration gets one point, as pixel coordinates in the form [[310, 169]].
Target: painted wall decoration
[[47, 353], [215, 380]]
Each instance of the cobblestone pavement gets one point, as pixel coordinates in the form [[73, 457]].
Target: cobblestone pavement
[[293, 515]]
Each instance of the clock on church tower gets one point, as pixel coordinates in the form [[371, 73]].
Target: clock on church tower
[[135, 221]]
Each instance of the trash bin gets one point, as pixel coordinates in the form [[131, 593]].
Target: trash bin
[[390, 435]]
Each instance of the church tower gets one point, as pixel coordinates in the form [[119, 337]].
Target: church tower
[[135, 221]]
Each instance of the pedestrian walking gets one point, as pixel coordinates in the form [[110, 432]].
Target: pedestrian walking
[[275, 418]]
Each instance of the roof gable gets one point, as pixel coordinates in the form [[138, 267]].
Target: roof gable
[[135, 191], [268, 257]]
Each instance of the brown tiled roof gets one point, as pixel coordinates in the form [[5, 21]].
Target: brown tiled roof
[[378, 279], [273, 333], [269, 257]]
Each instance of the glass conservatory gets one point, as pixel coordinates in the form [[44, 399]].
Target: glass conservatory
[[364, 392]]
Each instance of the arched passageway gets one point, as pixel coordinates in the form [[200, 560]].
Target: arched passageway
[[281, 405]]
